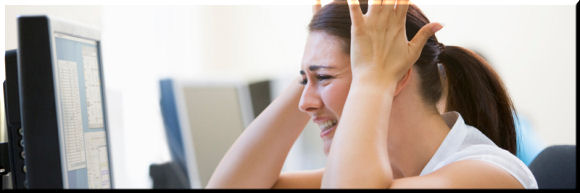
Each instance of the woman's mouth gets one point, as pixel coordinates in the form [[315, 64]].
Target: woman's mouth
[[327, 127]]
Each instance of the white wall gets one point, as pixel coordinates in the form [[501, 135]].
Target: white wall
[[532, 48]]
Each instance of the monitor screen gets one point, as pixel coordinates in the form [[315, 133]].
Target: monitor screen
[[62, 104], [80, 109], [205, 109], [203, 118]]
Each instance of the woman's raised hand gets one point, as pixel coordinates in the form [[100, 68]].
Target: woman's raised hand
[[380, 51]]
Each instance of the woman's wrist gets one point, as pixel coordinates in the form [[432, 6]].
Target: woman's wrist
[[373, 84]]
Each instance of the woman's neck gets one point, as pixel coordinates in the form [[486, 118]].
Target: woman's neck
[[414, 138]]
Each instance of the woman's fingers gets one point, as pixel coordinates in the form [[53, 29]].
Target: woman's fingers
[[317, 5], [386, 13], [401, 9], [422, 36], [388, 6], [374, 7], [385, 22], [356, 15]]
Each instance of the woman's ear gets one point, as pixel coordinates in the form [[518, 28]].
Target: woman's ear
[[403, 82]]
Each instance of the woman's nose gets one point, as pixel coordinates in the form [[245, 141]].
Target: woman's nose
[[310, 100]]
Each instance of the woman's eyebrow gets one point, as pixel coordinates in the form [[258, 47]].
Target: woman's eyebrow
[[317, 67]]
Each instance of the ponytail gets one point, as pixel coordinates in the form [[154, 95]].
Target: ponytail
[[478, 94]]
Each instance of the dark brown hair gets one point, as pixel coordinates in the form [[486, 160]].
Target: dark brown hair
[[474, 88]]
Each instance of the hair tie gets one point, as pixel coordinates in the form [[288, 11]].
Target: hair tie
[[441, 46]]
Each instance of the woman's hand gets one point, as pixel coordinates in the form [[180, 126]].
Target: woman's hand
[[380, 52]]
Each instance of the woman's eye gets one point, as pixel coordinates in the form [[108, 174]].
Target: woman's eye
[[318, 77], [303, 82], [323, 77]]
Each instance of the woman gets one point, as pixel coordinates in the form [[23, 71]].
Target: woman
[[374, 93]]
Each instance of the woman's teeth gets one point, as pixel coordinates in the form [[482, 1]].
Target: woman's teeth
[[328, 124]]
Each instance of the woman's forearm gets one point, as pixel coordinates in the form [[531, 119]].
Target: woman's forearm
[[256, 157], [358, 157]]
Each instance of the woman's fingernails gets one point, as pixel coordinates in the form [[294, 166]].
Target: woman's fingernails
[[437, 27]]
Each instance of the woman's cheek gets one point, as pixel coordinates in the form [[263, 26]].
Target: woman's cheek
[[334, 96]]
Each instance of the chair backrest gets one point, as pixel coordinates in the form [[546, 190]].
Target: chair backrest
[[555, 167]]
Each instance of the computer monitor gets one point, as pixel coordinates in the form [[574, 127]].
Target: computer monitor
[[62, 104], [203, 119]]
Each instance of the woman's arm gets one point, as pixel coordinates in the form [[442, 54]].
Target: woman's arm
[[381, 60], [309, 179], [358, 157], [257, 156]]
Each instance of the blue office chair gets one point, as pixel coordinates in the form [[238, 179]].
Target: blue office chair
[[528, 142], [555, 167]]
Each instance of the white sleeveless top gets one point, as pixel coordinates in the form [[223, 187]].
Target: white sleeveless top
[[465, 142]]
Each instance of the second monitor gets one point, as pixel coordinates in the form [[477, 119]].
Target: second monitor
[[204, 118]]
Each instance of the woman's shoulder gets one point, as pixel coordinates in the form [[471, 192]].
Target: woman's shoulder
[[476, 146], [466, 142], [464, 174], [476, 166], [498, 157]]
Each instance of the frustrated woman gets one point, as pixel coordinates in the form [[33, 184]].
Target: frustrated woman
[[370, 80]]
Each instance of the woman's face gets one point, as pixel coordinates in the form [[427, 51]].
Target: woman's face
[[326, 75]]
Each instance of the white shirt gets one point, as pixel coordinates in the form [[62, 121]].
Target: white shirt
[[464, 142]]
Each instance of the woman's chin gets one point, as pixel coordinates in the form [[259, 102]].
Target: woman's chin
[[326, 146], [327, 142]]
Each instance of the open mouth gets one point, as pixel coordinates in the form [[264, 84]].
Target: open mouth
[[327, 127]]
